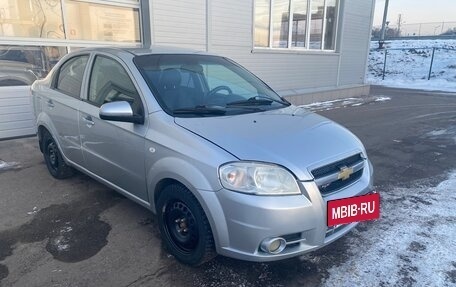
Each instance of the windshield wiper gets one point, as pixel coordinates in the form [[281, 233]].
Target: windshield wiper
[[257, 101], [199, 110]]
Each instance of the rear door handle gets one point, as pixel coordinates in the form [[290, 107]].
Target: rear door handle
[[88, 120], [50, 103]]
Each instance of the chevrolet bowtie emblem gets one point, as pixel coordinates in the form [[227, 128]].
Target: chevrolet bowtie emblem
[[345, 173]]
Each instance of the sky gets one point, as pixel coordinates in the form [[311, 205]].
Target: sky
[[417, 11]]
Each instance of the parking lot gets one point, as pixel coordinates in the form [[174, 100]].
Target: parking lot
[[76, 232]]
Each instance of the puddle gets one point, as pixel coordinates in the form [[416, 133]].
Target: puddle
[[3, 272], [74, 232]]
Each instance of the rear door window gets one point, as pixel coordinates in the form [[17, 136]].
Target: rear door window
[[70, 75]]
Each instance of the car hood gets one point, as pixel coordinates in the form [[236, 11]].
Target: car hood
[[291, 137]]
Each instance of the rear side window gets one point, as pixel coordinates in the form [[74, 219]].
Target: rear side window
[[109, 82], [71, 73]]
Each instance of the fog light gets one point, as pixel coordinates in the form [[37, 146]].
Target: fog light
[[273, 245]]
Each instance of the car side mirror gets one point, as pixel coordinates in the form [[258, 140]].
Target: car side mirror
[[120, 111]]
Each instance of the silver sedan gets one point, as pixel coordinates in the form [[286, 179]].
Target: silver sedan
[[228, 166]]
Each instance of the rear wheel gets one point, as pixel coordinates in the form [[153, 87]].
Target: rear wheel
[[53, 158], [184, 226]]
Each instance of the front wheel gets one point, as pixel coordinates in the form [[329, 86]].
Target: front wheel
[[54, 160], [184, 226]]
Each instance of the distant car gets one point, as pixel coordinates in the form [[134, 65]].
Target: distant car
[[228, 166], [21, 66]]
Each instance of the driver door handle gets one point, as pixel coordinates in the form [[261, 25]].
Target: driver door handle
[[88, 120], [50, 104]]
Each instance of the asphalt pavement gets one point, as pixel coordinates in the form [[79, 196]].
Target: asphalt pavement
[[77, 232]]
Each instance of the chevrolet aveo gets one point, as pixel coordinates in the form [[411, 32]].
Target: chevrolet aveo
[[228, 166]]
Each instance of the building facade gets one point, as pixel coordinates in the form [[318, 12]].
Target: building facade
[[307, 50]]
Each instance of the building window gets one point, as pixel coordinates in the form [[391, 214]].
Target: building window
[[31, 19], [280, 23], [99, 22], [299, 27], [296, 24], [75, 22], [35, 34], [330, 25], [262, 16]]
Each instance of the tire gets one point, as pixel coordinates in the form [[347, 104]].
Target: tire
[[53, 158], [184, 227]]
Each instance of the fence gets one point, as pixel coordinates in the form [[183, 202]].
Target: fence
[[417, 30], [414, 63]]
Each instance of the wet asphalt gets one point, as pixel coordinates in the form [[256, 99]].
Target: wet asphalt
[[77, 232]]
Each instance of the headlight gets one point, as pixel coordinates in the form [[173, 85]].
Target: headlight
[[258, 178]]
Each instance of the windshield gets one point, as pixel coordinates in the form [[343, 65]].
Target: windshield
[[201, 85]]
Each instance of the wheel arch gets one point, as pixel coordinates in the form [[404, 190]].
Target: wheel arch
[[42, 128], [44, 124]]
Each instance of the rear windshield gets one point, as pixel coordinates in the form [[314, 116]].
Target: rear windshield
[[202, 85]]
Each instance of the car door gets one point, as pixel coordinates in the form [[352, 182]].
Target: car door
[[113, 150], [62, 102]]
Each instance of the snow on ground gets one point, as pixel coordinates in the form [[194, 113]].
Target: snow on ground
[[413, 244], [437, 133], [340, 103], [382, 99], [34, 211], [8, 165], [409, 68], [449, 133]]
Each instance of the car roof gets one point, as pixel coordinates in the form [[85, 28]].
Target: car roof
[[138, 51]]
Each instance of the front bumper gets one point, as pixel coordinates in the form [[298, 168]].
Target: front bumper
[[240, 222]]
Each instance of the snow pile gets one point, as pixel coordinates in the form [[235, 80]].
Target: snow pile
[[341, 103], [411, 245], [34, 211], [8, 165], [382, 99], [330, 105], [409, 68], [436, 133], [449, 133]]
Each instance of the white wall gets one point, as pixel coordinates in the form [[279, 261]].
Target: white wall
[[179, 23], [16, 115], [355, 41]]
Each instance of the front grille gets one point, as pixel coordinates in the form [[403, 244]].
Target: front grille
[[327, 177], [335, 166], [338, 184]]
